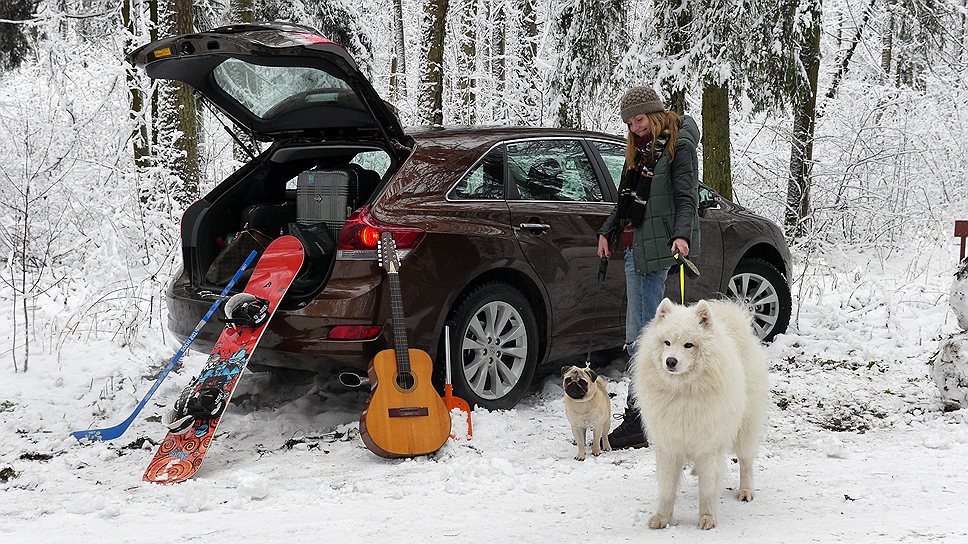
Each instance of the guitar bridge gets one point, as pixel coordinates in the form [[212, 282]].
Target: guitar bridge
[[409, 411]]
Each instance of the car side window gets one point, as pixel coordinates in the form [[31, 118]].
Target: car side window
[[485, 181], [557, 170], [613, 155]]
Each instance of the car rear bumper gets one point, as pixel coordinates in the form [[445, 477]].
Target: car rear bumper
[[296, 338]]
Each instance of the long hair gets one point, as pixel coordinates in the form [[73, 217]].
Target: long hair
[[661, 121]]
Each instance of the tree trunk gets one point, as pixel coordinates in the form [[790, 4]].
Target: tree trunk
[[804, 118], [498, 50], [186, 117], [528, 67], [243, 11], [139, 132], [716, 167], [904, 66], [154, 21], [431, 104], [962, 44], [466, 62], [398, 66], [887, 41], [529, 25]]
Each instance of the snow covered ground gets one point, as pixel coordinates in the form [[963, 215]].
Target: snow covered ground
[[858, 447]]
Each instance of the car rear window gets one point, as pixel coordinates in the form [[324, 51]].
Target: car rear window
[[271, 91]]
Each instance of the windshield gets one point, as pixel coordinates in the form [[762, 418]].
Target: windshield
[[272, 91]]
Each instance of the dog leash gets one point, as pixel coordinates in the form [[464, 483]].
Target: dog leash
[[693, 270], [602, 269]]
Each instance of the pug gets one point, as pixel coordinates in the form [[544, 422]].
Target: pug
[[587, 405]]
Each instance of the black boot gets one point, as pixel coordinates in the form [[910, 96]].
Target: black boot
[[629, 434]]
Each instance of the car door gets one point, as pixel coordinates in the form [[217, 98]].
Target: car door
[[557, 203], [710, 257]]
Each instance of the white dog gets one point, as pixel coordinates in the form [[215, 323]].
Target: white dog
[[700, 377]]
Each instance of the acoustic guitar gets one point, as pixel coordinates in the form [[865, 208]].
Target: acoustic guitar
[[404, 416]]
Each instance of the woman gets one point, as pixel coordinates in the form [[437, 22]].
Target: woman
[[656, 217]]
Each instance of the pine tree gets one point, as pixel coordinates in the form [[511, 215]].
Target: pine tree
[[13, 43], [914, 33], [592, 37], [705, 45]]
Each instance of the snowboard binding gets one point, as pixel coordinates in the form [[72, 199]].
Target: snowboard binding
[[245, 310], [206, 403]]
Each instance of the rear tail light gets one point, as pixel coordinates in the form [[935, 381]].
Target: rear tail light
[[307, 38], [362, 232], [354, 332]]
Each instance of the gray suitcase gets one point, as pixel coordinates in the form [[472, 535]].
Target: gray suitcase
[[326, 196]]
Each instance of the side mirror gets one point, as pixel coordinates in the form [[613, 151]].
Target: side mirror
[[707, 199]]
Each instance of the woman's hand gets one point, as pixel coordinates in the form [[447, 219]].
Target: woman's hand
[[679, 245], [603, 250]]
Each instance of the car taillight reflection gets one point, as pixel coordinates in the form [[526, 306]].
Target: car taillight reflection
[[354, 332], [362, 231]]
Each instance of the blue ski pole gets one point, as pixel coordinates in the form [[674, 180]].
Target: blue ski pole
[[110, 433]]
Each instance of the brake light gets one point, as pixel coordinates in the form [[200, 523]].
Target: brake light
[[354, 332], [362, 231], [307, 38]]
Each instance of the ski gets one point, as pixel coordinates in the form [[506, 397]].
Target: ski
[[194, 419], [110, 433]]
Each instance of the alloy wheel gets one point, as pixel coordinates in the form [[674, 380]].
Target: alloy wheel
[[760, 296], [494, 350]]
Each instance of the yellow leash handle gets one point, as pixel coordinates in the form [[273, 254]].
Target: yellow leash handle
[[682, 280]]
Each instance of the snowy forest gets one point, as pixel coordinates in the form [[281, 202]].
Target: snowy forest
[[843, 121], [840, 120]]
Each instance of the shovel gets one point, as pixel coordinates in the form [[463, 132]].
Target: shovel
[[450, 401]]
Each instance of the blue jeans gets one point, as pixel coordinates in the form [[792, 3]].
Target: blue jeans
[[643, 292]]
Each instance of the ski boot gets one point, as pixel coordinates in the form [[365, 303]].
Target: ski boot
[[206, 403], [245, 310]]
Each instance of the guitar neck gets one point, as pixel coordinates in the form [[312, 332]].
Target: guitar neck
[[399, 325]]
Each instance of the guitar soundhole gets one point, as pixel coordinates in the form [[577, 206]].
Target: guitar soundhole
[[405, 381]]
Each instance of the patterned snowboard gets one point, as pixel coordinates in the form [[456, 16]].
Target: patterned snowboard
[[179, 455]]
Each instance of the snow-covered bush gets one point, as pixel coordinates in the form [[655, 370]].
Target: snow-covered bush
[[949, 368]]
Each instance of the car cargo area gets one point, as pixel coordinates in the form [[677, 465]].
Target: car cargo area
[[304, 191]]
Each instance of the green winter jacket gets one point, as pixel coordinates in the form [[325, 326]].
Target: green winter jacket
[[672, 211]]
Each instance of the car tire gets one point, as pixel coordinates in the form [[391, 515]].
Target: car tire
[[492, 368], [763, 289]]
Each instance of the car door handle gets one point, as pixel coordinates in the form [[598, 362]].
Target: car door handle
[[535, 228]]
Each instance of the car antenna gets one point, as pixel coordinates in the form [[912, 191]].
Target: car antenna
[[248, 150]]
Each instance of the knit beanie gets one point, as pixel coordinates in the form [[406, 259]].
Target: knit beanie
[[638, 100]]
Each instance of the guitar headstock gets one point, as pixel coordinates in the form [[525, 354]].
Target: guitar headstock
[[387, 248]]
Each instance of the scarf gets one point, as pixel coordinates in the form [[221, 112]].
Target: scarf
[[646, 156]]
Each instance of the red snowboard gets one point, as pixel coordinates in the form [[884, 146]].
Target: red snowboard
[[180, 455]]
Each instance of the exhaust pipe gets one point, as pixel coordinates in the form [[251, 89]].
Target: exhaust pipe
[[353, 379]]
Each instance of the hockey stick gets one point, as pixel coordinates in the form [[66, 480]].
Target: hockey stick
[[110, 433]]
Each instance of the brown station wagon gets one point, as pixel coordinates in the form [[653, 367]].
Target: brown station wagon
[[495, 226]]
